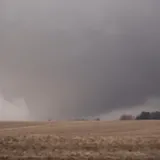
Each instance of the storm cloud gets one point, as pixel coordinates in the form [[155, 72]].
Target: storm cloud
[[80, 57]]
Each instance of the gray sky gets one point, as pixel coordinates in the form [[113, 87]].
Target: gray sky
[[80, 57]]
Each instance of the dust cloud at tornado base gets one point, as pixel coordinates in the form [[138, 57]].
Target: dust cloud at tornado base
[[80, 58]]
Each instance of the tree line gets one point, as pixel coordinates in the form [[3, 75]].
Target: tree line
[[142, 116]]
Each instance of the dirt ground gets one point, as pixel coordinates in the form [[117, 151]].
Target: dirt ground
[[88, 140]]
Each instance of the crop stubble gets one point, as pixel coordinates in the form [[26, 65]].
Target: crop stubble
[[93, 140]]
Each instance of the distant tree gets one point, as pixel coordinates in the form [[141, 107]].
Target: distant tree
[[127, 117], [144, 116], [155, 115], [97, 119], [49, 119]]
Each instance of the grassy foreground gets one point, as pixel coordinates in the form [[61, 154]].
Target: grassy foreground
[[114, 140]]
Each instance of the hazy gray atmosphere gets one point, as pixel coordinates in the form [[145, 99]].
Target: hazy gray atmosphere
[[71, 58]]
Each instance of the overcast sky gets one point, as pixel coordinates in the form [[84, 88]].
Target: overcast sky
[[80, 57]]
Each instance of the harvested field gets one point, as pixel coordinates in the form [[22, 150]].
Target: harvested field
[[93, 140]]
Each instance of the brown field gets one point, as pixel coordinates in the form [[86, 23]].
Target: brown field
[[88, 140]]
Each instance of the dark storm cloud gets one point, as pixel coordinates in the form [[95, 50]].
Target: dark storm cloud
[[80, 58]]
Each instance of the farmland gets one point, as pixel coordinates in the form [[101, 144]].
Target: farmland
[[80, 140]]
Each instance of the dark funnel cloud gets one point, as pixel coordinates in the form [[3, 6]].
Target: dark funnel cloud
[[80, 57]]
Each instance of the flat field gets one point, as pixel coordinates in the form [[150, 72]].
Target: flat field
[[87, 140]]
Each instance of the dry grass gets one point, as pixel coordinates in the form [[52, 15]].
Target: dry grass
[[115, 140]]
